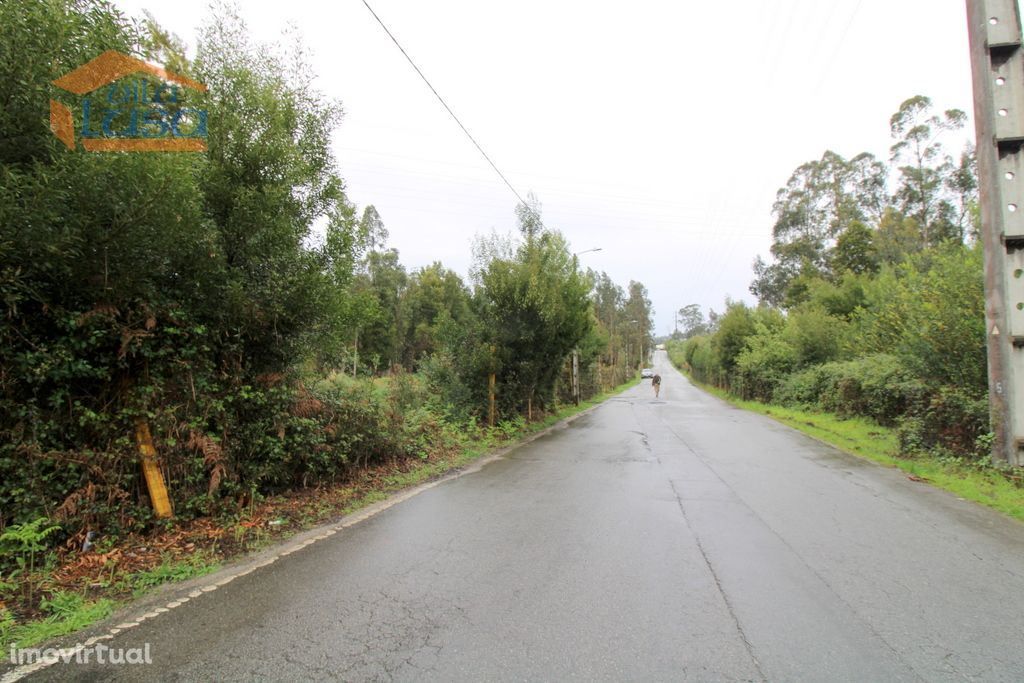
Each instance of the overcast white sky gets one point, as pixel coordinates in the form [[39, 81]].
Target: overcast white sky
[[656, 130]]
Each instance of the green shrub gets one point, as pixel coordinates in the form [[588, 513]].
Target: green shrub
[[955, 420], [814, 335], [876, 386], [21, 543], [62, 604], [929, 312], [508, 429], [764, 365], [735, 326], [802, 388]]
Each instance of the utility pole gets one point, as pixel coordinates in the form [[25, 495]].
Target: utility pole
[[492, 381], [355, 354], [576, 376], [491, 411], [997, 70], [574, 368]]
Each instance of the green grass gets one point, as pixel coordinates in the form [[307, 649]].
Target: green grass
[[169, 571], [71, 613], [865, 438], [474, 450]]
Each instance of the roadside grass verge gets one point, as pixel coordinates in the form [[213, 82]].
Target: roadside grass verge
[[68, 612], [171, 571], [866, 439], [503, 435], [79, 599]]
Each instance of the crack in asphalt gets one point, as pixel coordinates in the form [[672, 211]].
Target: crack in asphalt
[[870, 627], [398, 634], [718, 585]]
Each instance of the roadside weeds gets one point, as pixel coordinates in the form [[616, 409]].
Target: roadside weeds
[[95, 585], [866, 439]]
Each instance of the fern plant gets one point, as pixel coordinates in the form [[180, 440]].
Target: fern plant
[[23, 541]]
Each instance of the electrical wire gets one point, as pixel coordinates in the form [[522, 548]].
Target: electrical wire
[[838, 47], [449, 110]]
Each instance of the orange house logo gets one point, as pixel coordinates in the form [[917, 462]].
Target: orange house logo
[[143, 114]]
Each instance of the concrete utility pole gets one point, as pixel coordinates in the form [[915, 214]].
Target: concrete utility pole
[[997, 69], [574, 368], [576, 376]]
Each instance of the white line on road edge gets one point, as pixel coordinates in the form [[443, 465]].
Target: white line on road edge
[[24, 670], [21, 672]]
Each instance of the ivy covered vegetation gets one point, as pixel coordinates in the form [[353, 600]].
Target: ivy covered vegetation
[[239, 303], [873, 302]]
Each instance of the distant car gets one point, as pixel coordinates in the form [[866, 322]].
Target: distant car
[[647, 373]]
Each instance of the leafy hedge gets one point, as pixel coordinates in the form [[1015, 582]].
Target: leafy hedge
[[235, 444], [910, 352], [876, 386], [184, 289]]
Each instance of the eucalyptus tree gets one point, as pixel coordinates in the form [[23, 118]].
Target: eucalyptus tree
[[821, 200], [926, 169], [639, 317], [435, 296], [690, 319], [533, 303]]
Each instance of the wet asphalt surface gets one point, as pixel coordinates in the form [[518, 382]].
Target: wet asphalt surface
[[649, 540]]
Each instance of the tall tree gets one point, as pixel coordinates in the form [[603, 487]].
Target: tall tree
[[434, 297], [269, 176], [609, 299], [924, 165], [372, 233], [384, 281], [534, 307], [639, 318], [855, 250], [820, 201], [691, 321], [962, 185], [163, 284]]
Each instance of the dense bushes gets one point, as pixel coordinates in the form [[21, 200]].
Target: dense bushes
[[764, 364], [878, 270], [905, 347], [877, 386], [215, 296], [253, 439], [176, 288], [929, 311], [954, 421]]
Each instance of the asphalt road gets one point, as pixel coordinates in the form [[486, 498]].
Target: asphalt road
[[649, 540]]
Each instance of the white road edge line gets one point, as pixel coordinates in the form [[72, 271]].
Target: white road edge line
[[24, 670]]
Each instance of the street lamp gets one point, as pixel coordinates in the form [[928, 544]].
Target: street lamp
[[587, 251]]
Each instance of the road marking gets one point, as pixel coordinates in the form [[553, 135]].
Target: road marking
[[21, 672]]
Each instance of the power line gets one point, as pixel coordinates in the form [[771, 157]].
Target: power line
[[449, 109], [838, 46]]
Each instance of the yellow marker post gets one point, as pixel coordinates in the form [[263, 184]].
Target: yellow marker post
[[151, 470]]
